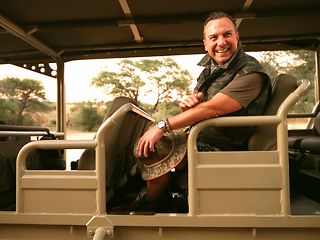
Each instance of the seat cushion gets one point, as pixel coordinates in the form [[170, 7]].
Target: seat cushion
[[311, 144], [294, 142], [296, 135], [7, 184]]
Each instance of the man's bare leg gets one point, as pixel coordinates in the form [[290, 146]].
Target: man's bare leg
[[157, 187]]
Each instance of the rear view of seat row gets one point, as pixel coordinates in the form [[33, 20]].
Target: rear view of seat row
[[304, 152], [306, 140], [39, 159]]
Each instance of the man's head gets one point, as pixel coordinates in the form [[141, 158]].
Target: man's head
[[220, 37]]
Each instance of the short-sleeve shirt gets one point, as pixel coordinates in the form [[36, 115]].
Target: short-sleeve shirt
[[244, 89]]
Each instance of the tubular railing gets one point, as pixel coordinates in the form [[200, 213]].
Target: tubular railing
[[282, 143], [97, 143]]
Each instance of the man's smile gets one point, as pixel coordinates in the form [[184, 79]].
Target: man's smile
[[222, 50]]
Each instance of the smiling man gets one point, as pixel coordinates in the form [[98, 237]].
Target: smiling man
[[220, 39], [232, 83]]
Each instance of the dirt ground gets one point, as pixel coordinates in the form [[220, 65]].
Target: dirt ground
[[74, 154]]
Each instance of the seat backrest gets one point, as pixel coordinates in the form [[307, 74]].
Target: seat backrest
[[119, 145], [9, 150], [264, 137], [317, 124]]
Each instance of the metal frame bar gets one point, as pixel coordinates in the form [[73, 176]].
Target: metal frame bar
[[61, 98], [126, 9], [28, 38], [245, 8], [21, 34]]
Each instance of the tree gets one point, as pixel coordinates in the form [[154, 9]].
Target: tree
[[126, 83], [171, 82], [168, 82], [20, 97], [86, 116], [300, 64]]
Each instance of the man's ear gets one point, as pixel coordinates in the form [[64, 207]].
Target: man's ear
[[204, 44]]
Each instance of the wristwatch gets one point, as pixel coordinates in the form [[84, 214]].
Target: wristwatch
[[164, 126]]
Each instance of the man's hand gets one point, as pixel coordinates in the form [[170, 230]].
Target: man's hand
[[147, 141], [190, 101]]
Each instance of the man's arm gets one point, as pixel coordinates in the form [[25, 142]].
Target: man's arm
[[219, 105], [236, 95]]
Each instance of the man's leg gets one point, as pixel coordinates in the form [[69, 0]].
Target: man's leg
[[158, 188], [157, 199]]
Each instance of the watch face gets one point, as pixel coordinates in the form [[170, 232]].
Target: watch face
[[161, 124]]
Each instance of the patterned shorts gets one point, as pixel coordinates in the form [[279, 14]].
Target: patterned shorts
[[205, 147]]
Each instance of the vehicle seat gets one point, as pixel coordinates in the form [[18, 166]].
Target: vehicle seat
[[9, 150], [297, 135], [264, 137], [119, 145], [307, 140]]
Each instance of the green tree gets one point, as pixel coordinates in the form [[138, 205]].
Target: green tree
[[168, 81], [86, 116], [126, 83], [20, 98], [166, 109], [298, 63], [305, 70]]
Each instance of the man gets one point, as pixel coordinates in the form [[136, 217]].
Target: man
[[232, 83]]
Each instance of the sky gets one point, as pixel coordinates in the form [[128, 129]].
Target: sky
[[78, 76]]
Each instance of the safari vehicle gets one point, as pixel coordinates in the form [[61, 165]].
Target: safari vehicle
[[231, 195]]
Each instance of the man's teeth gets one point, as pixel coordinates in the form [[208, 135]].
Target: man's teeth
[[222, 51]]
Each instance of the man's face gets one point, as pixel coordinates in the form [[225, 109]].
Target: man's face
[[220, 39]]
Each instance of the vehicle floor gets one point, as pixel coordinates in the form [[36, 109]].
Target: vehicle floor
[[302, 205]]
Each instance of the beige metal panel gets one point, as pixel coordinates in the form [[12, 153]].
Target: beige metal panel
[[59, 180], [183, 233], [238, 185], [173, 233], [76, 201], [160, 226], [217, 220], [239, 201], [242, 157], [289, 233], [58, 192], [9, 217], [249, 183], [56, 232], [164, 220], [42, 232], [246, 176]]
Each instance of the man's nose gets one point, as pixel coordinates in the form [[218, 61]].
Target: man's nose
[[221, 41]]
